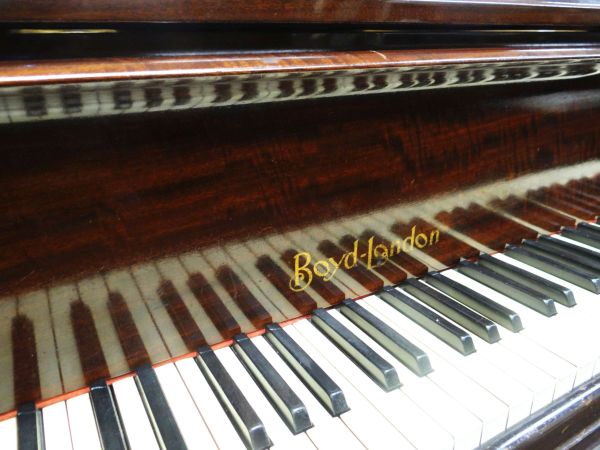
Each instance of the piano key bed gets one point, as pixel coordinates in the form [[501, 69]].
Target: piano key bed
[[465, 355]]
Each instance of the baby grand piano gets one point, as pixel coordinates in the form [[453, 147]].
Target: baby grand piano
[[320, 224]]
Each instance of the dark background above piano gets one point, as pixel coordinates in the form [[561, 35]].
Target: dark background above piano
[[86, 195]]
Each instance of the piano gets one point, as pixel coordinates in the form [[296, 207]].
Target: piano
[[300, 225]]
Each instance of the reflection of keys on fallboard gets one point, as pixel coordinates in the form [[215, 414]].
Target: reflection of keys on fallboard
[[89, 331], [448, 360]]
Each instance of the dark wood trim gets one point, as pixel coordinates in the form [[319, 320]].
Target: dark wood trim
[[31, 72], [476, 12]]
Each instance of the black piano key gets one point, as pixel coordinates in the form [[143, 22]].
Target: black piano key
[[405, 351], [370, 362], [314, 378], [581, 278], [584, 254], [483, 305], [592, 229], [164, 424], [469, 319], [437, 325], [555, 291], [242, 415], [30, 434], [109, 425], [282, 397], [561, 256], [581, 235], [517, 291]]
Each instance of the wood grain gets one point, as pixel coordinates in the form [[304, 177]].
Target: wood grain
[[108, 193], [501, 12], [25, 72]]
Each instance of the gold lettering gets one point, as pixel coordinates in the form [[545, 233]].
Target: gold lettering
[[434, 237], [381, 253], [395, 247], [317, 269], [336, 265], [421, 240], [370, 253], [410, 239], [302, 274], [354, 255]]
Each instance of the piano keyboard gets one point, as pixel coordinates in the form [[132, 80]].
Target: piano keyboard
[[445, 359], [449, 360]]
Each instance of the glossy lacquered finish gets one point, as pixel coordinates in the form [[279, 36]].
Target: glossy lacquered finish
[[441, 12]]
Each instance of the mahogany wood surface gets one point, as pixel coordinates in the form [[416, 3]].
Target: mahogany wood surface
[[25, 72], [78, 197], [474, 12]]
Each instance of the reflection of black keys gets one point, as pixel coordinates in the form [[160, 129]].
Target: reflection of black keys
[[366, 278], [517, 291], [383, 267], [431, 321], [376, 367], [581, 235], [403, 259], [275, 274], [165, 427], [25, 361], [107, 417], [561, 256], [555, 291], [474, 300], [326, 289], [213, 305], [286, 402], [311, 374], [29, 428], [469, 319], [180, 316], [249, 426], [582, 278], [403, 350], [237, 290]]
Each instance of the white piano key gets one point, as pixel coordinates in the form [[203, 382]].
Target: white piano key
[[123, 283], [35, 306], [84, 434], [194, 263], [574, 242], [219, 257], [510, 392], [8, 434], [8, 310], [492, 412], [148, 280], [580, 320], [328, 432], [276, 429], [133, 414], [172, 270], [447, 412], [396, 406], [188, 418], [215, 417], [94, 294], [539, 328], [368, 424], [57, 433], [61, 298]]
